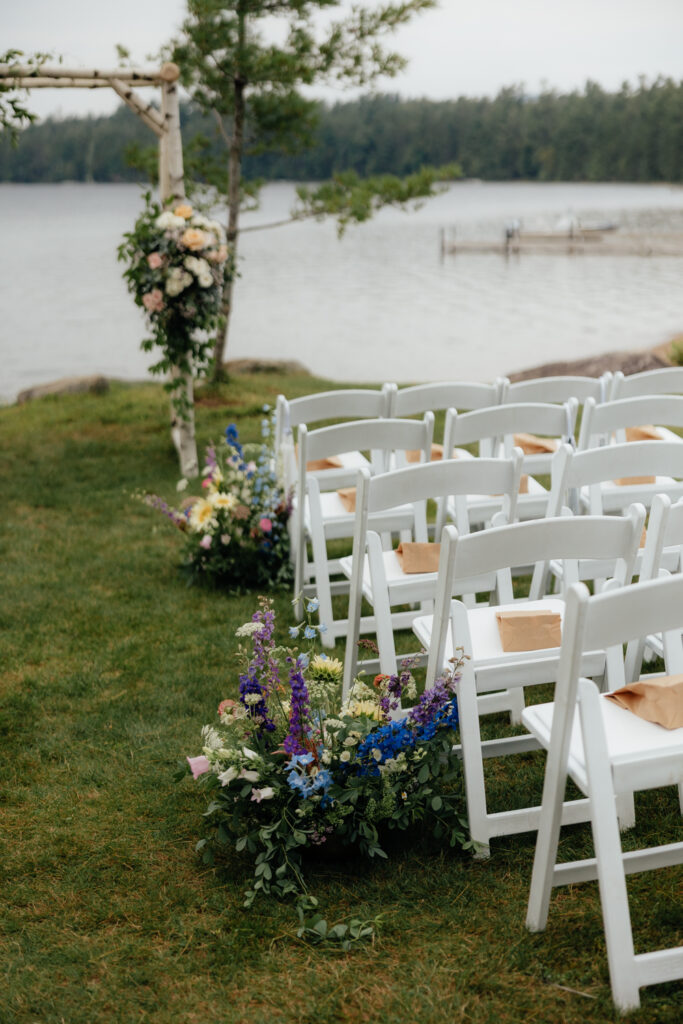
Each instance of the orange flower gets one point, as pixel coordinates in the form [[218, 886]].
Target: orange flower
[[183, 211], [194, 239], [378, 680]]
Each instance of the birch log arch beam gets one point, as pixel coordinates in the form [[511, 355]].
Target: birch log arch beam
[[166, 126]]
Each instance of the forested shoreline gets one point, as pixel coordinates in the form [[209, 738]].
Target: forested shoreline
[[633, 135]]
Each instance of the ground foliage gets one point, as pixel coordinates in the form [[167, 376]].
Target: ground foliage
[[108, 663]]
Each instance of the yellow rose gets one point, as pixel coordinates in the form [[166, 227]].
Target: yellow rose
[[183, 211], [193, 239]]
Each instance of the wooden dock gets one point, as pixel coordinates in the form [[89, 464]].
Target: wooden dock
[[580, 243]]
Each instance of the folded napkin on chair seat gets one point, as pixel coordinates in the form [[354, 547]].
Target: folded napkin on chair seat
[[647, 433], [414, 557], [532, 445], [347, 496], [656, 700], [529, 630]]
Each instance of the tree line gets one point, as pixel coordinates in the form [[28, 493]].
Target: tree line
[[635, 134]]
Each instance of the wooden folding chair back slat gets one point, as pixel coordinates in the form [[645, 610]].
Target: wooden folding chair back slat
[[558, 389], [463, 395], [667, 381]]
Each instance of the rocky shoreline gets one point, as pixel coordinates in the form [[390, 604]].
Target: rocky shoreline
[[594, 366]]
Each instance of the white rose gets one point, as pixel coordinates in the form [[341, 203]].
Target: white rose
[[168, 220]]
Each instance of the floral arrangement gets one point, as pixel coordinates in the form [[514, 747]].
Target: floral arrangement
[[177, 262], [236, 532], [290, 768]]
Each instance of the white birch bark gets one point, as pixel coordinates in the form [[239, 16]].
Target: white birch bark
[[171, 186]]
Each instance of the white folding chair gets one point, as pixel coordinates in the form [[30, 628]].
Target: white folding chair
[[377, 576], [667, 381], [610, 422], [587, 481], [501, 428], [487, 667], [346, 404], [321, 514], [558, 389], [608, 751]]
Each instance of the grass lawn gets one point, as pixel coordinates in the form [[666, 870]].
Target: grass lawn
[[109, 666]]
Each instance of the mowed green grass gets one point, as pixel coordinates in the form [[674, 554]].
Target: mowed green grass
[[109, 666]]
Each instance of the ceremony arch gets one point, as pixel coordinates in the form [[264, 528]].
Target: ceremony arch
[[165, 124]]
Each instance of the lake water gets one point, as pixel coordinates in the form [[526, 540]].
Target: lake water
[[381, 304]]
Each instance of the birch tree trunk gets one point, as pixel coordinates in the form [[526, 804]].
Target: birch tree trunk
[[234, 183], [172, 186]]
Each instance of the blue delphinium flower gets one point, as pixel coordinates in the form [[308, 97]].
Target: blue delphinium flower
[[310, 632]]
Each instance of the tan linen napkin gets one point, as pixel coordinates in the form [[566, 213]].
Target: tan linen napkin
[[330, 463], [532, 445], [418, 557], [655, 700], [647, 433], [413, 454], [626, 481], [347, 496], [529, 630]]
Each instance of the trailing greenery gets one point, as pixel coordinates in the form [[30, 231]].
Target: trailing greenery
[[109, 665], [635, 134]]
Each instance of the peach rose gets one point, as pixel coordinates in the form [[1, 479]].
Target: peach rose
[[153, 301], [183, 211], [193, 238], [155, 260], [219, 255]]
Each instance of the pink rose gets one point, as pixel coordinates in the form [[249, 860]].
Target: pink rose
[[155, 260], [153, 301], [198, 765], [205, 542], [265, 524]]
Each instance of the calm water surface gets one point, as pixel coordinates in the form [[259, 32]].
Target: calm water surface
[[379, 304]]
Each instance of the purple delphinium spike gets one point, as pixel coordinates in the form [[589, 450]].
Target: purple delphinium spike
[[299, 715], [432, 702], [178, 519]]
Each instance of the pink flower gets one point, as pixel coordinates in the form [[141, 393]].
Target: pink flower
[[153, 301], [198, 765], [155, 260], [205, 542], [206, 482], [265, 524], [225, 705]]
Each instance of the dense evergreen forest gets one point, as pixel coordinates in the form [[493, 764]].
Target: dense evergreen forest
[[635, 134]]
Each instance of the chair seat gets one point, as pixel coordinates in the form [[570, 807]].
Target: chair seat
[[339, 522], [418, 585], [629, 739], [482, 507], [615, 497], [488, 654]]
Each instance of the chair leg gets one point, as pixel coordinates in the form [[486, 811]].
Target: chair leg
[[610, 865], [472, 760]]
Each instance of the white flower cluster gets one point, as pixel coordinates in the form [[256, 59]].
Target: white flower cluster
[[201, 270], [177, 280], [167, 221]]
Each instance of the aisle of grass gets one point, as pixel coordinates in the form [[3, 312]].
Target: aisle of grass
[[109, 665]]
